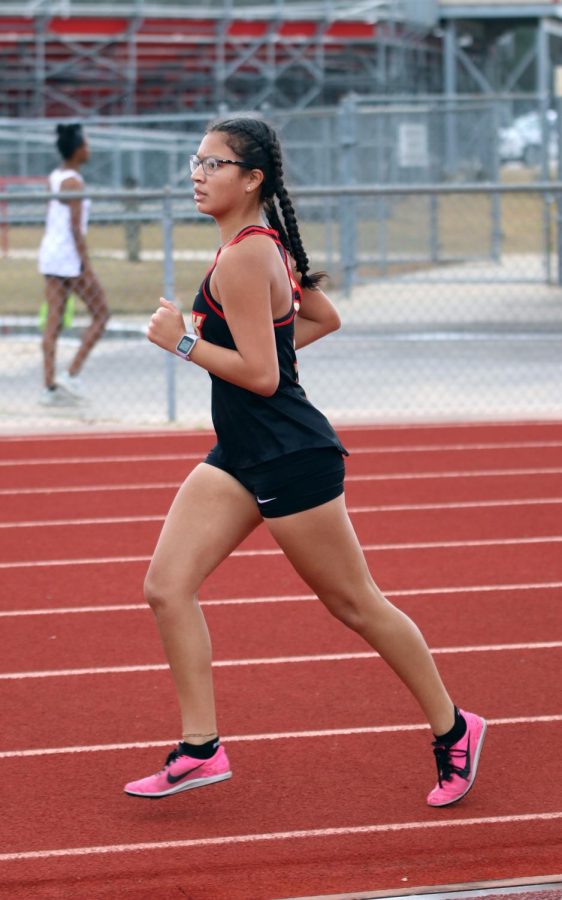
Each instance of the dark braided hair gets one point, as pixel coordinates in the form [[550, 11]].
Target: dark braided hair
[[257, 144], [69, 139]]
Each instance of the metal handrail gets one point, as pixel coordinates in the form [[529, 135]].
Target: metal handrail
[[334, 10], [352, 190]]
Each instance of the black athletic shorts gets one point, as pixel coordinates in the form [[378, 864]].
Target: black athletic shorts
[[291, 483]]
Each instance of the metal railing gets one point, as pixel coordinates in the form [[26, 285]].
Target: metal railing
[[299, 9], [363, 140]]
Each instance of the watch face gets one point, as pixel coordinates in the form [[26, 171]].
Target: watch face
[[185, 344]]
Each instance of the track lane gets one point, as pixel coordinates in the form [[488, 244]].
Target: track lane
[[94, 582], [80, 443], [96, 502], [139, 537], [110, 443], [286, 629], [337, 865], [101, 498], [256, 800], [141, 706], [118, 469], [18, 510], [282, 868], [518, 453]]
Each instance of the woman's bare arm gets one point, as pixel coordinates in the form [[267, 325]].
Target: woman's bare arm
[[317, 317], [243, 285]]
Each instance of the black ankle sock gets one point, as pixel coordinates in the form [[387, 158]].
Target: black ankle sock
[[457, 732], [201, 751]]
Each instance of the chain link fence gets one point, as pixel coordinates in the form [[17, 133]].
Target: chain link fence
[[364, 140], [450, 300]]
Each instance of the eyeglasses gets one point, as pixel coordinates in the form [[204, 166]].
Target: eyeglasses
[[212, 164]]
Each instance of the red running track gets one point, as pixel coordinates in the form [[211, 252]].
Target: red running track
[[462, 527]]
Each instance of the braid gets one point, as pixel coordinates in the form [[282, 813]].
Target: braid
[[248, 128], [257, 144], [273, 218], [292, 229]]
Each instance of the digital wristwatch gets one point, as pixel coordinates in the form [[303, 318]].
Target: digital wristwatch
[[186, 345]]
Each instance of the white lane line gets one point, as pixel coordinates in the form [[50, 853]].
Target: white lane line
[[268, 736], [274, 660], [107, 520], [102, 560], [472, 473], [275, 551], [169, 457], [285, 598], [90, 488], [165, 485], [88, 436], [354, 510], [462, 504], [437, 448], [104, 460], [225, 840]]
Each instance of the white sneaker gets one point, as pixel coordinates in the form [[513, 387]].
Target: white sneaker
[[72, 384], [57, 396]]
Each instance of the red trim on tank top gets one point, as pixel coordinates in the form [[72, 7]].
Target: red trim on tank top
[[253, 229], [217, 308], [248, 231], [277, 323], [209, 299]]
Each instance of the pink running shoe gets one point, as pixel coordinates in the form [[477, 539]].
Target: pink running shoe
[[181, 773], [457, 765]]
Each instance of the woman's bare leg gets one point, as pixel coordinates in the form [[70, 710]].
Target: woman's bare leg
[[324, 549], [56, 293], [90, 291], [211, 514]]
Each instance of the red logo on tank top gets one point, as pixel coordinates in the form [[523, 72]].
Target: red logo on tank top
[[198, 318]]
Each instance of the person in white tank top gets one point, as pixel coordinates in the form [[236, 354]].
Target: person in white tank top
[[65, 264], [58, 253]]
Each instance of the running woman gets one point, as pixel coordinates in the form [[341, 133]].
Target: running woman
[[65, 263], [277, 459]]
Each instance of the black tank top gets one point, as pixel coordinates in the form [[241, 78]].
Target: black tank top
[[250, 428]]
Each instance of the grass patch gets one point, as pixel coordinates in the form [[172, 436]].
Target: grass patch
[[386, 227]]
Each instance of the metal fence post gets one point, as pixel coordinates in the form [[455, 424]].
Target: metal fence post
[[451, 159], [347, 118], [495, 199], [558, 95], [117, 164], [543, 82], [559, 196], [382, 123], [169, 294], [434, 245], [326, 162]]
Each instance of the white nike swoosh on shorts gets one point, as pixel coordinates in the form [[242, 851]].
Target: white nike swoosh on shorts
[[269, 499]]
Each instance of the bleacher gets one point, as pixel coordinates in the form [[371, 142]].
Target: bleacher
[[283, 54], [75, 58]]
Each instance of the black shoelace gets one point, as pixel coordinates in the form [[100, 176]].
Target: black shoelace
[[445, 765], [173, 756]]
